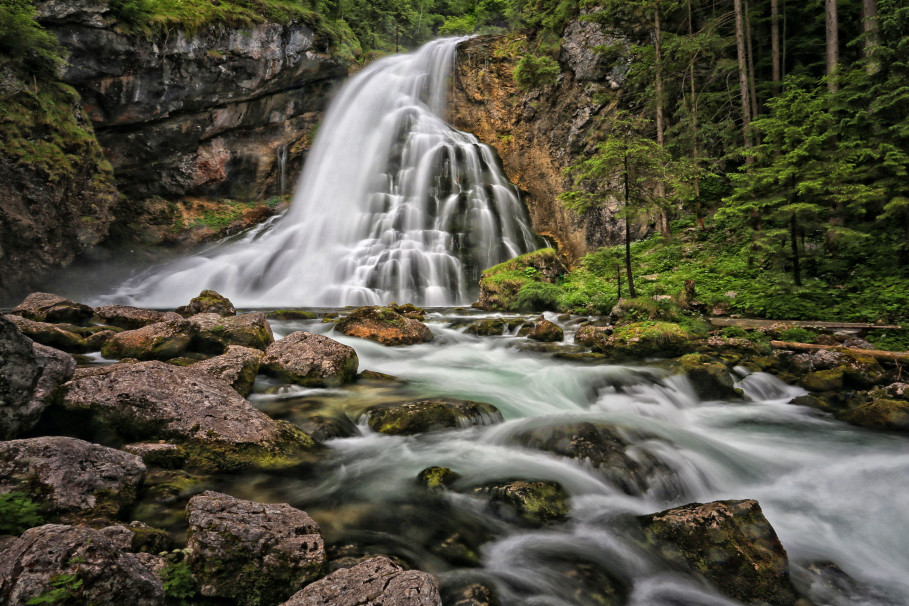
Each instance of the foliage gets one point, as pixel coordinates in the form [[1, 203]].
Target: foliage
[[538, 296], [799, 335], [65, 589], [532, 71], [26, 45], [18, 513], [179, 583]]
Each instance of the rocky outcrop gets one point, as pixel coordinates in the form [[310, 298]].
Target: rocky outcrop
[[208, 302], [19, 373], [70, 476], [57, 368], [215, 332], [384, 325], [309, 359], [131, 318], [201, 113], [88, 565], [253, 553], [160, 341], [152, 400], [419, 416], [375, 582], [731, 543], [538, 133], [48, 307], [238, 366], [60, 336]]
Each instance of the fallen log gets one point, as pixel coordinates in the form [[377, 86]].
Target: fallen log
[[894, 356]]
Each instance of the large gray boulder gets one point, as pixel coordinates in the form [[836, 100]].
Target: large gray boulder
[[238, 366], [47, 307], [731, 543], [254, 553], [70, 477], [208, 302], [375, 582], [60, 336], [19, 373], [131, 318], [309, 359], [102, 572], [217, 427], [57, 367], [160, 341]]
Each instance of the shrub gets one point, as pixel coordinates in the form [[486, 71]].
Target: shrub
[[538, 296], [18, 513], [533, 72], [799, 335]]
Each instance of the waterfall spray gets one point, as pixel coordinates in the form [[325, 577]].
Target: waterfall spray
[[393, 204]]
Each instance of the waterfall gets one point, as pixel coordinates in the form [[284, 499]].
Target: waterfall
[[393, 204], [281, 157]]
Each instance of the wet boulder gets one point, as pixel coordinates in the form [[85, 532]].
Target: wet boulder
[[384, 325], [254, 553], [131, 318], [160, 454], [601, 446], [594, 337], [208, 302], [238, 366], [420, 416], [19, 374], [310, 359], [217, 427], [710, 379], [886, 414], [63, 336], [375, 582], [160, 341], [731, 543], [493, 327], [215, 333], [92, 564], [648, 339], [51, 308], [437, 478], [543, 330], [56, 367], [529, 503], [69, 476]]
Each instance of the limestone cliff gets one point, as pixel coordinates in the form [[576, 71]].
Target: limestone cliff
[[538, 133]]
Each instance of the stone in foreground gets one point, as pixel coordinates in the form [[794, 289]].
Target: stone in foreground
[[215, 333], [731, 543], [238, 366], [208, 302], [160, 341], [218, 428], [384, 325], [131, 318], [376, 582], [253, 553], [309, 359], [543, 330], [107, 574], [48, 307], [420, 416], [19, 373], [69, 476]]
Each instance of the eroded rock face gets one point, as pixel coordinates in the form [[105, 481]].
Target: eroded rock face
[[71, 476], [731, 543], [309, 359], [109, 574], [216, 332], [152, 400], [238, 366], [254, 553], [160, 341], [19, 373], [48, 307], [384, 325], [57, 367], [131, 318], [600, 445], [208, 302], [376, 582], [420, 416]]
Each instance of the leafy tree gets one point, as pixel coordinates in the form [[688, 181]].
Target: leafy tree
[[26, 44]]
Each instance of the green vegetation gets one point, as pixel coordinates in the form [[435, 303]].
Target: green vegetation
[[179, 584], [18, 513], [65, 589], [225, 213]]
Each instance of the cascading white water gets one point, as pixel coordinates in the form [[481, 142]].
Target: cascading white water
[[393, 204]]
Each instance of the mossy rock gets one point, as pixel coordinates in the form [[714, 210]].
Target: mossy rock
[[500, 285], [489, 327], [650, 338], [711, 380], [420, 416], [542, 330], [208, 301], [384, 325], [880, 413], [291, 314], [437, 478], [825, 380], [532, 503], [293, 448]]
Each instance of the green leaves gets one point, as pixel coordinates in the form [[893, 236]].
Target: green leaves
[[18, 513]]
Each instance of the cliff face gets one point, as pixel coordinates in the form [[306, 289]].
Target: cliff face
[[539, 133], [208, 114]]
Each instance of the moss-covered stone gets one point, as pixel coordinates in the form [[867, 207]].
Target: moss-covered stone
[[291, 314], [731, 543], [650, 338], [711, 380], [161, 341], [526, 502], [492, 327], [208, 301], [420, 416], [542, 330], [880, 413], [384, 325], [824, 380], [437, 478], [500, 285]]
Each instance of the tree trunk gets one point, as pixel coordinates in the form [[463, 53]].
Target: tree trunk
[[775, 45], [752, 89], [796, 267], [743, 74], [618, 281], [694, 130], [660, 117], [833, 44], [870, 29], [631, 292]]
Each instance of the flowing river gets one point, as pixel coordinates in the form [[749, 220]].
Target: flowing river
[[832, 492]]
